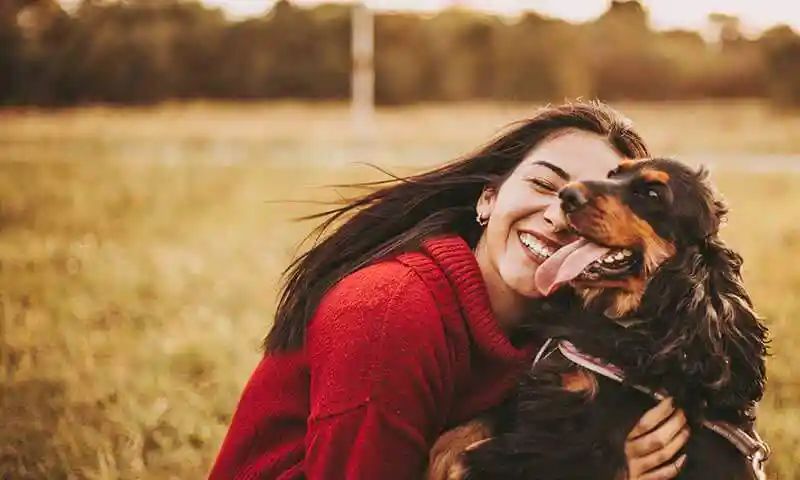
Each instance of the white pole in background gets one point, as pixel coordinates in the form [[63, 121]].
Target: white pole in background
[[363, 70]]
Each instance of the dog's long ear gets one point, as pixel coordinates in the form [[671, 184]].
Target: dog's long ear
[[737, 332], [715, 335]]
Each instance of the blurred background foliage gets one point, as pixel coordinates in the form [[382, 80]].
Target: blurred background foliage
[[146, 51]]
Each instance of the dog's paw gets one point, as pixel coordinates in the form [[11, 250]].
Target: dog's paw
[[446, 466], [445, 462], [457, 471]]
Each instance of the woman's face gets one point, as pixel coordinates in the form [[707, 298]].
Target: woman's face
[[526, 224]]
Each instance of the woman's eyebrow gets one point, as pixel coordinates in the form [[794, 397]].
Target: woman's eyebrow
[[556, 169]]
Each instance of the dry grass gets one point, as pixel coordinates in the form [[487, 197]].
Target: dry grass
[[139, 252]]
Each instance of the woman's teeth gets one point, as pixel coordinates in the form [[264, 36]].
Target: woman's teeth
[[534, 245]]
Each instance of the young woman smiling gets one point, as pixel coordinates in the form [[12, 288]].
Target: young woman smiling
[[398, 325]]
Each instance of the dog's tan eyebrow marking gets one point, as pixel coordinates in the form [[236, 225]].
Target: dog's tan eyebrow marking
[[627, 163], [652, 175]]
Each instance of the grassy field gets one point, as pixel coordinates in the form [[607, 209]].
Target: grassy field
[[140, 249]]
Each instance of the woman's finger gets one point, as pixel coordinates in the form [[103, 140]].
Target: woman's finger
[[671, 470], [645, 464], [652, 418], [656, 439]]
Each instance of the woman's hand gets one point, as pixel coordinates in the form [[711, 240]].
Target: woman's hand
[[660, 434]]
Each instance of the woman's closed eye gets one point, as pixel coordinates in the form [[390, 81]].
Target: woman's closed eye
[[544, 186]]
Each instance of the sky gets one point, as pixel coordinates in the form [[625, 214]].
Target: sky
[[756, 15]]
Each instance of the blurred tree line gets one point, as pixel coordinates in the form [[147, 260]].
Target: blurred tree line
[[143, 51]]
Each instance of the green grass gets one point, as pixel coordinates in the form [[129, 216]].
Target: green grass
[[139, 255]]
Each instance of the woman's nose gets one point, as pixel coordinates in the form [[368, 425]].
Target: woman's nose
[[554, 217]]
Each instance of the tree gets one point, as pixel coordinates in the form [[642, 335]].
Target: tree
[[781, 46], [11, 44]]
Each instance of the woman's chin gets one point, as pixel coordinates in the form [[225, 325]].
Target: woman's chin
[[521, 281]]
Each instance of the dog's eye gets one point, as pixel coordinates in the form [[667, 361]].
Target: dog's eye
[[649, 191]]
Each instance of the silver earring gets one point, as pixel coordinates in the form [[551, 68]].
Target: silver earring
[[482, 220]]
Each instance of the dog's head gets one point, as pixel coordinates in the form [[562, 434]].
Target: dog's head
[[652, 252], [640, 216]]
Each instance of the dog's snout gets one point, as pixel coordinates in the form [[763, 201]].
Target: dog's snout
[[572, 198]]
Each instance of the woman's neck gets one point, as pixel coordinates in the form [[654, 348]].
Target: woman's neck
[[508, 306]]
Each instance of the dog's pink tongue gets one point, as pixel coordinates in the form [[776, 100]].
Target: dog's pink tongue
[[566, 264]]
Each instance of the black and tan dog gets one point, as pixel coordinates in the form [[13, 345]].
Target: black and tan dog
[[656, 306]]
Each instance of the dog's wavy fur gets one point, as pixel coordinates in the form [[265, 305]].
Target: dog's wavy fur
[[691, 332]]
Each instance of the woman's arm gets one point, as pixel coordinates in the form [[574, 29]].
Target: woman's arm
[[381, 381]]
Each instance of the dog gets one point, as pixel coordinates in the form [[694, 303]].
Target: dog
[[650, 302]]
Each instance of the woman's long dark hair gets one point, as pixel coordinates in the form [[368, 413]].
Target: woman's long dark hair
[[401, 212]]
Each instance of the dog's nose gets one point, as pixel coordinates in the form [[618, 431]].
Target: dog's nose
[[572, 198]]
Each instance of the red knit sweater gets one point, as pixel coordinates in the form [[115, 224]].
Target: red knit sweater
[[395, 354]]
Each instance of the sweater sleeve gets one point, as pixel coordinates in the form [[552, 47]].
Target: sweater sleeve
[[381, 380]]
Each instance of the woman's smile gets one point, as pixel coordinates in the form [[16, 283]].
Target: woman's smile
[[536, 248]]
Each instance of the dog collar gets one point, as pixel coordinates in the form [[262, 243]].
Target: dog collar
[[755, 449]]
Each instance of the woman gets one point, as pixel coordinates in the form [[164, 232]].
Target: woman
[[401, 323]]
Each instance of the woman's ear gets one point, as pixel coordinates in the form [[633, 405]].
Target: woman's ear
[[486, 202]]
